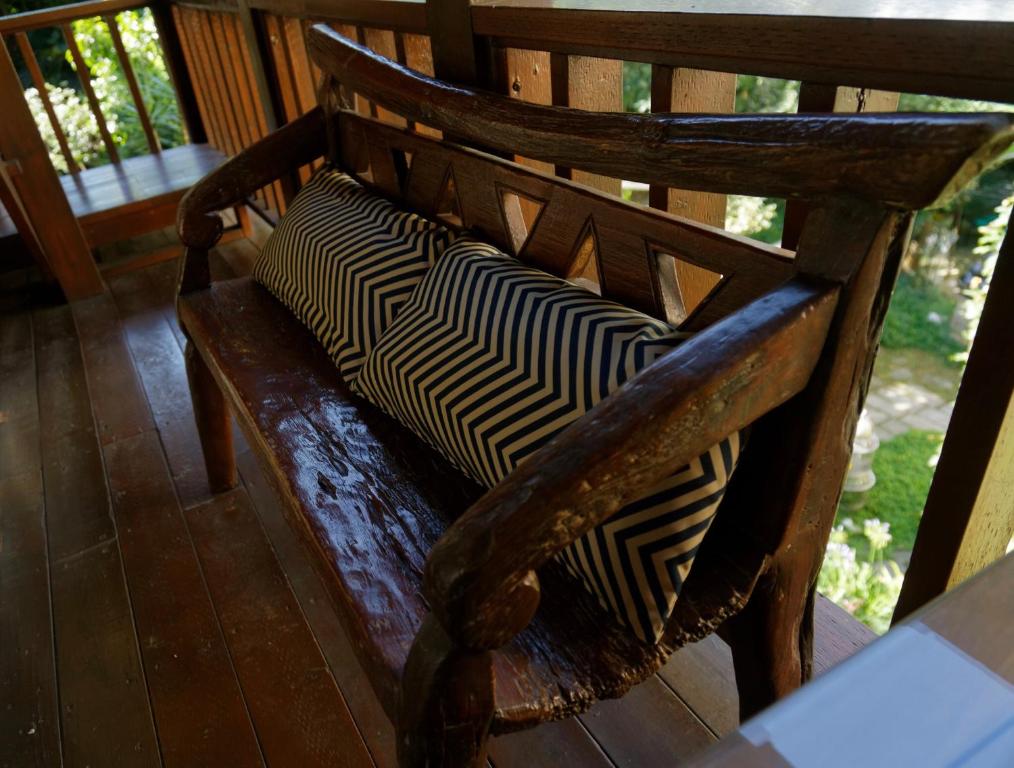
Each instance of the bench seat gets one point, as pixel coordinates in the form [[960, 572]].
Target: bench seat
[[372, 500]]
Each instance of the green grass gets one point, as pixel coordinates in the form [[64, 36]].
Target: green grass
[[902, 467], [907, 327]]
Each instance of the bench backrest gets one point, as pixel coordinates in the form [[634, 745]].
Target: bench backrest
[[902, 161]]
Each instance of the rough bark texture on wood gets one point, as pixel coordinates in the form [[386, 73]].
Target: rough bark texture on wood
[[905, 160]]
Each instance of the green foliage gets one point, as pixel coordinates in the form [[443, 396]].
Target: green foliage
[[868, 587], [766, 94], [904, 469], [75, 118], [636, 86], [140, 38], [908, 324]]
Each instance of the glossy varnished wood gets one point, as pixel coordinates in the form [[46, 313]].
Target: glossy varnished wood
[[226, 531], [489, 650]]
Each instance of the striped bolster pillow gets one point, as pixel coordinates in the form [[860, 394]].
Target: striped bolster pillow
[[490, 359], [344, 261]]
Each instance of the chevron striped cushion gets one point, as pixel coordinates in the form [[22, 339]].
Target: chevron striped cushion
[[344, 261], [490, 359]]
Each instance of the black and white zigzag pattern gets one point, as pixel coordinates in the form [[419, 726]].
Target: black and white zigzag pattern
[[490, 359], [344, 261]]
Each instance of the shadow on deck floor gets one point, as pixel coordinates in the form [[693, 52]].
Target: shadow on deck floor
[[147, 623]]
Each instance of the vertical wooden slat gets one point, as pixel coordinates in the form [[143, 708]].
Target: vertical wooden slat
[[223, 56], [208, 48], [252, 49], [172, 54], [40, 85], [968, 520], [192, 19], [39, 189], [86, 84], [135, 91], [691, 90], [593, 84], [302, 75], [458, 56], [285, 75], [250, 111], [282, 66], [197, 76]]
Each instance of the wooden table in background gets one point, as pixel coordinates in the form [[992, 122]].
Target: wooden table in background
[[937, 690]]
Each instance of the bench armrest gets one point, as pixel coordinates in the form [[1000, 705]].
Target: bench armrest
[[480, 577], [280, 152]]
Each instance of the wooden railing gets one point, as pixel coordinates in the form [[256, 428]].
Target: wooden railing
[[15, 29], [247, 71]]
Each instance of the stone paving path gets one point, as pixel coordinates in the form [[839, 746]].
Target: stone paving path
[[911, 389]]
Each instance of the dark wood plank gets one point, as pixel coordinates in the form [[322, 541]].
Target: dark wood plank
[[701, 674], [196, 699], [366, 710], [279, 664], [29, 725], [938, 48], [19, 429], [649, 726], [158, 360], [106, 718], [118, 402], [77, 501]]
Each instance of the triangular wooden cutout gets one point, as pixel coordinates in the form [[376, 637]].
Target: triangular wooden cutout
[[448, 207], [682, 284], [402, 160], [584, 261], [520, 215]]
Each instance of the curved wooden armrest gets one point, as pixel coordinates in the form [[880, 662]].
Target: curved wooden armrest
[[280, 152], [480, 577]]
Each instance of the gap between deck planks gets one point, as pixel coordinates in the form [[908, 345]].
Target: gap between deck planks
[[221, 633]]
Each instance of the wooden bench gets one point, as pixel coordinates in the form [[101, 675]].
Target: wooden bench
[[448, 593]]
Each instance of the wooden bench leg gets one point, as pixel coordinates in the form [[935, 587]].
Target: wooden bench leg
[[772, 639], [213, 423], [446, 703]]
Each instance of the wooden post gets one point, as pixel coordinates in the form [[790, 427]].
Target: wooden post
[[172, 52], [458, 56], [818, 97], [969, 515], [691, 90], [40, 191]]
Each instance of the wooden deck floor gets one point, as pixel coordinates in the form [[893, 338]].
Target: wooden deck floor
[[122, 199], [144, 622]]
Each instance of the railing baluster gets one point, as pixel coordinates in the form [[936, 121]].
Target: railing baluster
[[28, 54], [86, 84], [135, 91]]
